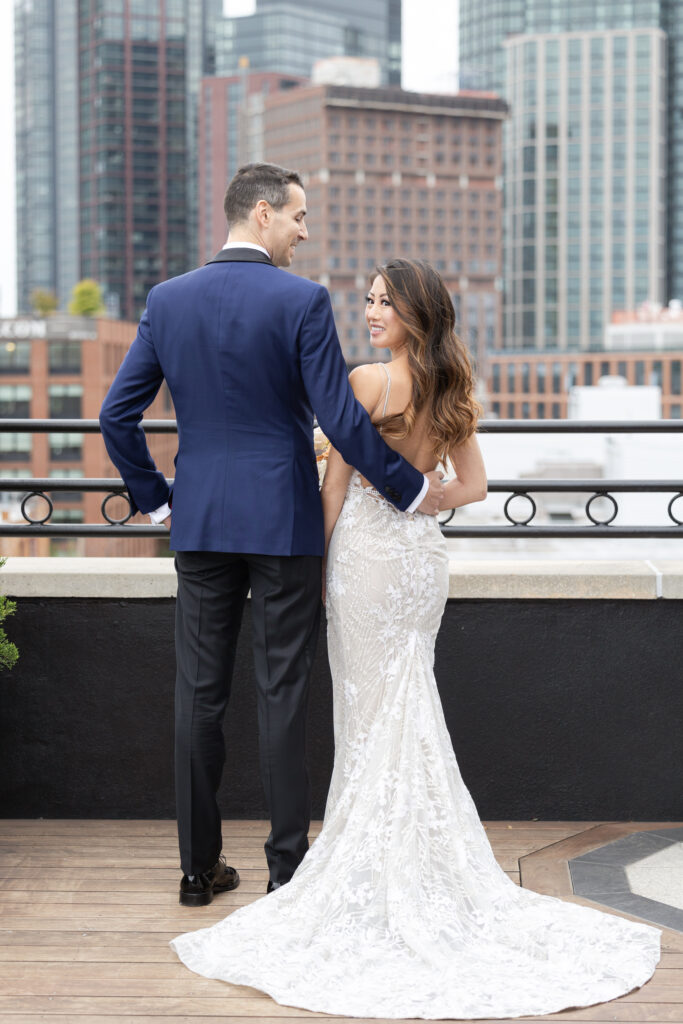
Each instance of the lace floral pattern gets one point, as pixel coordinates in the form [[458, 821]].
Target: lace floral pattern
[[399, 908]]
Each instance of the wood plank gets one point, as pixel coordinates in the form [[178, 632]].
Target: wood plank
[[269, 1011], [550, 877], [162, 1018], [88, 939], [71, 952], [172, 979], [23, 877], [166, 895]]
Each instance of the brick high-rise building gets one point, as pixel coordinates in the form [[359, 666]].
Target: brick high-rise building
[[393, 173], [230, 134], [61, 368]]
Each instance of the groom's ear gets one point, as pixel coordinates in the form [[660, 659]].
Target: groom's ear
[[263, 212]]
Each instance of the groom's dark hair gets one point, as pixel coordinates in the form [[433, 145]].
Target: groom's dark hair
[[254, 182]]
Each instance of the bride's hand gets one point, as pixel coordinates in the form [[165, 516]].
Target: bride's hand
[[432, 500]]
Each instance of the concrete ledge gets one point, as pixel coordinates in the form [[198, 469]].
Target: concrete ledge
[[672, 578], [88, 577], [591, 580], [476, 580]]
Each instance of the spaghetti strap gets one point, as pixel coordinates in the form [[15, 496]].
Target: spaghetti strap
[[386, 396]]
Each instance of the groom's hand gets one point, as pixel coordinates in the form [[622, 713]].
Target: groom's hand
[[432, 500], [167, 522]]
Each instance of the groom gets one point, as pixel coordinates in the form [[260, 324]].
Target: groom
[[250, 354]]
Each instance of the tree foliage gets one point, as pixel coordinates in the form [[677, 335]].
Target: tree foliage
[[43, 301], [8, 650], [86, 298]]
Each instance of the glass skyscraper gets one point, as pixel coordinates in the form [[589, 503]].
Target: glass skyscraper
[[46, 76], [585, 183], [106, 142], [485, 25], [288, 37]]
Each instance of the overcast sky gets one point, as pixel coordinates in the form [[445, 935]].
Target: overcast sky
[[429, 64]]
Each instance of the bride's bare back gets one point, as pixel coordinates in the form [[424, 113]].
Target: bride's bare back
[[396, 385]]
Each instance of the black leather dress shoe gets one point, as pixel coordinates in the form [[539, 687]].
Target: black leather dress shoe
[[198, 890], [272, 886]]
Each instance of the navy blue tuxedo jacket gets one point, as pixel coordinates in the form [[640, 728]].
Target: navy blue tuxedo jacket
[[250, 353]]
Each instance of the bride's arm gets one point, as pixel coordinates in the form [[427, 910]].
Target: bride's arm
[[336, 480], [367, 387], [470, 482]]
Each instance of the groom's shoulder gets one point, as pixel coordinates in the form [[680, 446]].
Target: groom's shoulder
[[288, 280]]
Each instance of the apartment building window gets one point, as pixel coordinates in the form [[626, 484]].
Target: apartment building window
[[675, 376], [525, 378], [588, 374], [557, 378], [656, 373], [65, 401], [495, 378], [540, 378], [675, 411], [67, 474], [15, 447], [64, 357], [67, 515], [65, 447], [556, 411], [511, 377], [540, 411], [15, 357], [15, 401]]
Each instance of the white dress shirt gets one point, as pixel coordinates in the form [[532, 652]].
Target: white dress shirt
[[164, 511]]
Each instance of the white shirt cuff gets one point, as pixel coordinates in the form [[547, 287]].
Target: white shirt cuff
[[418, 500], [161, 513]]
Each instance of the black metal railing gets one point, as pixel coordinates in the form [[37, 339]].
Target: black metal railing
[[33, 490]]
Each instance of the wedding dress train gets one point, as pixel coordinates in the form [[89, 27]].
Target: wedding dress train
[[399, 908]]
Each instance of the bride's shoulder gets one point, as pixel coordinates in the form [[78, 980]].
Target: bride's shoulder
[[368, 382]]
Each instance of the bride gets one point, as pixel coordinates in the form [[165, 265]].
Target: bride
[[399, 908]]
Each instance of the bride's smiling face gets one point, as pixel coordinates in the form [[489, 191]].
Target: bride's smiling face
[[386, 329]]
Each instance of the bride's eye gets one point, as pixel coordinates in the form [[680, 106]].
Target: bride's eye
[[368, 300]]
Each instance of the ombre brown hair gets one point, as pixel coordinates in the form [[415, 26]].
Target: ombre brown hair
[[443, 382]]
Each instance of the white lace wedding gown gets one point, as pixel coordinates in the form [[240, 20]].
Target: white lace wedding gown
[[399, 908]]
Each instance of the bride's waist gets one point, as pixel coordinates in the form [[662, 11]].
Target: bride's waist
[[368, 494]]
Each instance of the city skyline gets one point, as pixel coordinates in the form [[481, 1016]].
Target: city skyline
[[429, 65]]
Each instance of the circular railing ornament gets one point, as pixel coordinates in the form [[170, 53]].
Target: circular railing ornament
[[520, 522], [108, 498], [27, 517], [446, 521], [670, 509], [594, 497]]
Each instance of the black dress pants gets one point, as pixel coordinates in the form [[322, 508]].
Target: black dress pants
[[285, 602]]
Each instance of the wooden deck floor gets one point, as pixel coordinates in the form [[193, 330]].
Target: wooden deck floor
[[87, 909]]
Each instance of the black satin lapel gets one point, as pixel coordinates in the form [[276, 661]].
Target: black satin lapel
[[240, 256]]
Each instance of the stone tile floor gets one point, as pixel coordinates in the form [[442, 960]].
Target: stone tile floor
[[640, 874]]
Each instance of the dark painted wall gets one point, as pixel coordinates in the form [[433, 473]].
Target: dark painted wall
[[557, 709]]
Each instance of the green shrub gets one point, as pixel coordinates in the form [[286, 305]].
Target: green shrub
[[8, 650]]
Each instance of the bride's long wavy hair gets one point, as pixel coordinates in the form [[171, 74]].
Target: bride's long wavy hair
[[443, 382]]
